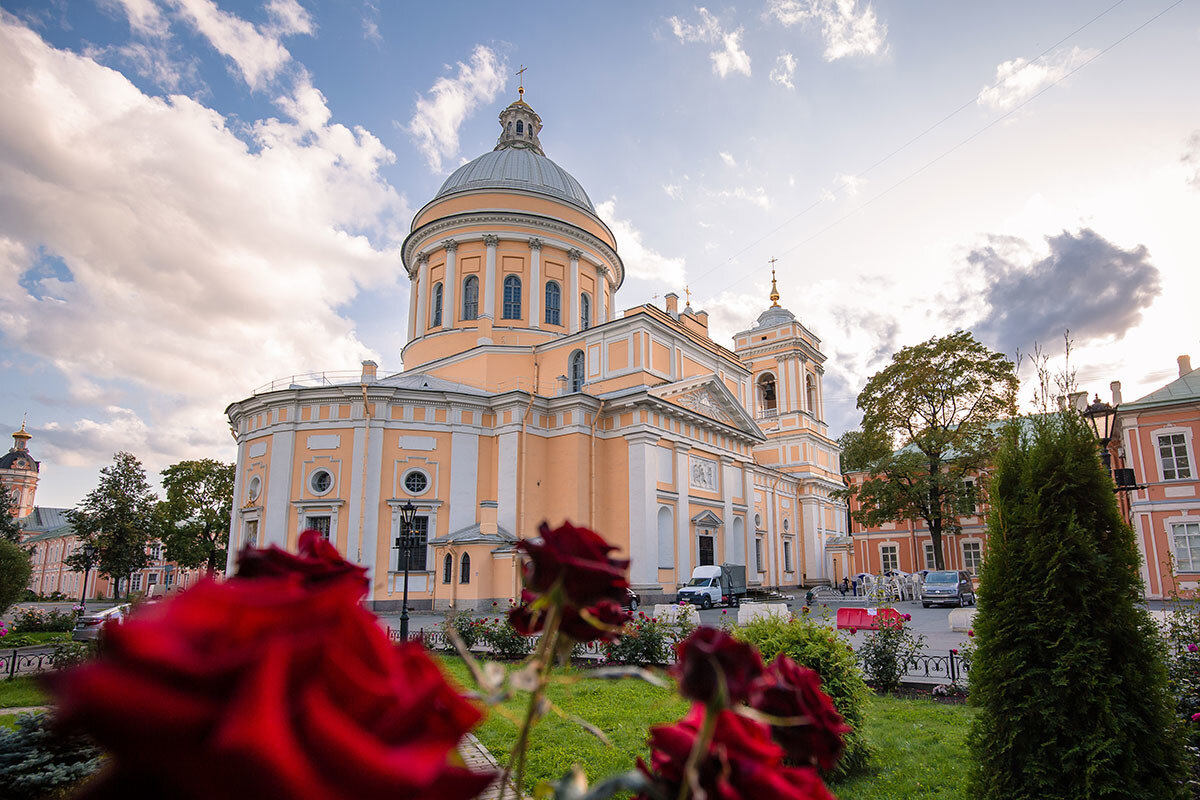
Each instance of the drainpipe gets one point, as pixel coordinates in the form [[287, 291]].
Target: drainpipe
[[522, 454], [592, 482]]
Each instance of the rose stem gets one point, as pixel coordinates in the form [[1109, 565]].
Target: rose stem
[[545, 652]]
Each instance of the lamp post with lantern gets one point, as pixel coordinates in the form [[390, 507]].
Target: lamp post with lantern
[[408, 513], [1102, 416]]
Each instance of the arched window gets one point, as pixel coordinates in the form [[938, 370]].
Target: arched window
[[510, 127], [464, 569], [447, 568], [553, 303], [471, 298], [512, 297], [520, 128], [812, 395], [766, 394], [577, 371], [437, 305], [585, 311]]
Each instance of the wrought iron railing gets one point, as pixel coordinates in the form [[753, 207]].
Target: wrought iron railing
[[14, 663], [436, 640]]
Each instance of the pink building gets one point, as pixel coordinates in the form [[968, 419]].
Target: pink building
[[1155, 436]]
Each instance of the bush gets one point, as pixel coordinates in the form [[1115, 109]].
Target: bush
[[72, 654], [35, 762], [645, 641], [820, 648], [469, 628], [15, 569], [1182, 637], [885, 653], [1068, 671], [504, 639], [33, 620]]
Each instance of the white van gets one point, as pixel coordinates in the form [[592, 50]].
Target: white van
[[713, 585]]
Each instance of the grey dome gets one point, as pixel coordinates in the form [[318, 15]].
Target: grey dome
[[773, 317], [517, 168]]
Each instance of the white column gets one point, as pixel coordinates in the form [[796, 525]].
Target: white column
[[802, 395], [602, 300], [422, 291], [464, 472], [683, 516], [235, 521], [728, 476], [274, 527], [814, 542], [573, 291], [354, 508], [412, 309], [751, 528], [506, 490], [450, 285], [487, 302], [643, 523], [535, 283]]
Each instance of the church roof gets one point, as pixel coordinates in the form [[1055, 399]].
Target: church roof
[[517, 168], [43, 520], [406, 380], [472, 534], [774, 317], [10, 459], [1182, 389]]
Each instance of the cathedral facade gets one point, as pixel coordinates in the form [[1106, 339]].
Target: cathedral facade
[[526, 397]]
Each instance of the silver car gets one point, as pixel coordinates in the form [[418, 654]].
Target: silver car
[[88, 626], [951, 587]]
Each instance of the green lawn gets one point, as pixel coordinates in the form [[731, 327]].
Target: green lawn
[[8, 720], [920, 749], [21, 692], [32, 639]]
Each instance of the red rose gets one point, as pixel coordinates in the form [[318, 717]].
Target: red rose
[[787, 689], [316, 562], [268, 688], [709, 655], [610, 616], [742, 763], [578, 557]]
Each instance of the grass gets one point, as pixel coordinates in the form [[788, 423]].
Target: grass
[[19, 692], [33, 639], [8, 720], [920, 746]]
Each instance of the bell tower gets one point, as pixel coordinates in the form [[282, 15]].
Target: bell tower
[[520, 126], [19, 474]]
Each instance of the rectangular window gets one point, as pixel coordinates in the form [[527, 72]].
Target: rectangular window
[[787, 556], [137, 582], [416, 547], [966, 501], [319, 524], [706, 550], [889, 557], [153, 579], [972, 556], [250, 537], [168, 579], [1172, 449], [758, 556], [1185, 544], [930, 558]]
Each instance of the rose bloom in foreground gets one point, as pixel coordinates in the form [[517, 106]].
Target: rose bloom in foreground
[[275, 683]]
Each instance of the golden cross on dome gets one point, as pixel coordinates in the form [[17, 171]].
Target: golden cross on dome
[[521, 78], [774, 288], [688, 292]]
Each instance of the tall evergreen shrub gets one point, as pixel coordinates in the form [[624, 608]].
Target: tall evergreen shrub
[[1068, 676]]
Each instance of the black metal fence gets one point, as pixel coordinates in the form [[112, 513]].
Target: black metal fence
[[436, 640], [14, 663]]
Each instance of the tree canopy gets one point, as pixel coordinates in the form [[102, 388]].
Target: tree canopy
[[194, 517], [928, 431], [15, 569], [10, 530], [117, 517]]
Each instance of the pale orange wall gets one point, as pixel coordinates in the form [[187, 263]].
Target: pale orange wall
[[513, 202], [339, 461]]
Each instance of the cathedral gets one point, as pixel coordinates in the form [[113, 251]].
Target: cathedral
[[526, 396]]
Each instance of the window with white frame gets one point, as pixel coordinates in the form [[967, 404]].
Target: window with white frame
[[758, 555], [972, 556], [417, 541], [1172, 453], [319, 523], [137, 582], [930, 558], [787, 556], [889, 557], [1185, 545]]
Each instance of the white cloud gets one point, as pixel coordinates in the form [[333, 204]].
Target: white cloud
[[196, 266], [728, 159], [370, 22], [144, 16], [673, 190], [154, 62], [258, 55], [730, 57], [450, 101], [640, 260], [1191, 157], [848, 27], [756, 196], [1018, 80], [785, 68], [289, 18]]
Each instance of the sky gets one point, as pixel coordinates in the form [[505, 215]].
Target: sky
[[200, 196]]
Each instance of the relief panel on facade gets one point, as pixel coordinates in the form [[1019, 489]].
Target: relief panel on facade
[[703, 474]]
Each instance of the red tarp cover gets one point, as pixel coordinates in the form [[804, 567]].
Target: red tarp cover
[[863, 619]]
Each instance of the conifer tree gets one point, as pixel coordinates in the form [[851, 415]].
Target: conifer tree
[[1068, 674]]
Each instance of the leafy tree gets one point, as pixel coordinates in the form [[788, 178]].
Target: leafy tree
[[10, 530], [929, 424], [117, 517], [15, 569], [1067, 671], [194, 518]]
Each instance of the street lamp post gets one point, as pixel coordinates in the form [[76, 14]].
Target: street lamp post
[[89, 553], [1101, 415], [408, 513]]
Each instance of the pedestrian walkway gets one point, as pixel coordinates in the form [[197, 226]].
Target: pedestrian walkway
[[477, 757], [24, 709]]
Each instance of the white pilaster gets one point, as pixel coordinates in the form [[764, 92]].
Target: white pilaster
[[802, 395], [412, 309], [506, 491], [279, 490], [602, 314], [464, 478], [422, 291], [487, 304], [683, 516], [235, 520], [450, 285], [772, 536], [354, 507], [535, 283], [572, 307], [369, 546], [814, 540], [728, 476], [643, 522]]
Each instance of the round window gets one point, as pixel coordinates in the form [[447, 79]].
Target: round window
[[255, 487], [416, 482], [785, 526], [758, 520], [321, 481]]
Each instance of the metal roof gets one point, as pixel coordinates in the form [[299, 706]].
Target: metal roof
[[1181, 390], [517, 168]]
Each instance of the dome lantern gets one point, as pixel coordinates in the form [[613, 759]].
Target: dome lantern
[[519, 127]]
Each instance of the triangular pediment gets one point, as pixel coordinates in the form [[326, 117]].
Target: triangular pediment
[[707, 519], [708, 395]]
